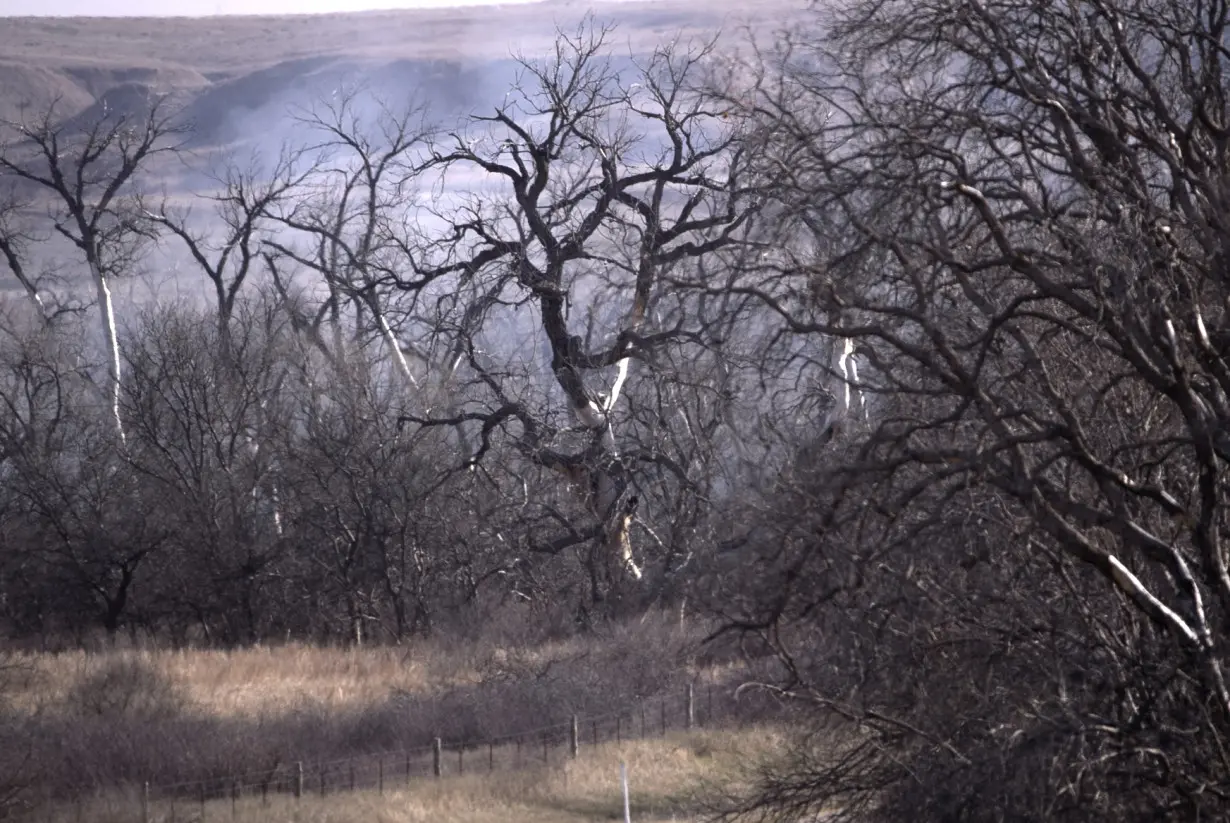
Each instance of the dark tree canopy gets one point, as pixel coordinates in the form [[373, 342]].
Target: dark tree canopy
[[1016, 212]]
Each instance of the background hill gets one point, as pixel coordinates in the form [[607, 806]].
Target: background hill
[[231, 73]]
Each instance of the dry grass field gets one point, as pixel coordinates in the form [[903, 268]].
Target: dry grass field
[[97, 724], [255, 680], [264, 680]]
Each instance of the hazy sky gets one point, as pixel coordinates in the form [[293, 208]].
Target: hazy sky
[[124, 8]]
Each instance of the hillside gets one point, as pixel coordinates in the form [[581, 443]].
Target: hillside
[[229, 73]]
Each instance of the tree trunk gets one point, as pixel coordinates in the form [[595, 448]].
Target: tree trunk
[[106, 310]]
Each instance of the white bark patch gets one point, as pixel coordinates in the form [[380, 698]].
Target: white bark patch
[[621, 375], [591, 415], [107, 310], [1170, 335], [390, 340], [849, 376], [1202, 331], [37, 300], [1131, 585], [623, 538], [277, 510]]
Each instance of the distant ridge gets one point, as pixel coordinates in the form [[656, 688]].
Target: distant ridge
[[221, 68]]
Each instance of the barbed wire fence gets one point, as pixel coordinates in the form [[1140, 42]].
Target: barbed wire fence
[[543, 746]]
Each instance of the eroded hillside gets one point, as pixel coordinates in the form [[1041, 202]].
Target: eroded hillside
[[235, 75]]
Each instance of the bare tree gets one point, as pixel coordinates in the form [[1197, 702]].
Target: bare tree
[[206, 413], [1016, 212], [587, 189], [15, 242], [86, 174], [82, 529], [351, 214], [242, 206]]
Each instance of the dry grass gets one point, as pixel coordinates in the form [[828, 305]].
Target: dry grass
[[273, 679], [119, 718], [257, 680], [670, 779]]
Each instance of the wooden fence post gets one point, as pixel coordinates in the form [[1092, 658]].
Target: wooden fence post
[[691, 707], [202, 801], [407, 767], [380, 775], [234, 799], [623, 780], [546, 757], [490, 756], [664, 717], [642, 720], [575, 743], [619, 729], [595, 733], [322, 779], [299, 780], [352, 774], [436, 752], [461, 760], [145, 802]]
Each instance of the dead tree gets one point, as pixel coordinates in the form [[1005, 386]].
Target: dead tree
[[242, 203], [589, 185], [85, 175], [349, 217]]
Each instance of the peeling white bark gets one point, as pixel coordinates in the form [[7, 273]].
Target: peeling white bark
[[106, 308], [390, 340], [1201, 331], [36, 300], [603, 488], [277, 508], [1132, 586], [591, 415], [254, 448], [849, 375], [621, 375], [625, 552]]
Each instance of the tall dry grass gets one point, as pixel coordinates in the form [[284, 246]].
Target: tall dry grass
[[265, 680], [251, 681]]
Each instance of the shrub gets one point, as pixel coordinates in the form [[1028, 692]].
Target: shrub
[[122, 686]]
